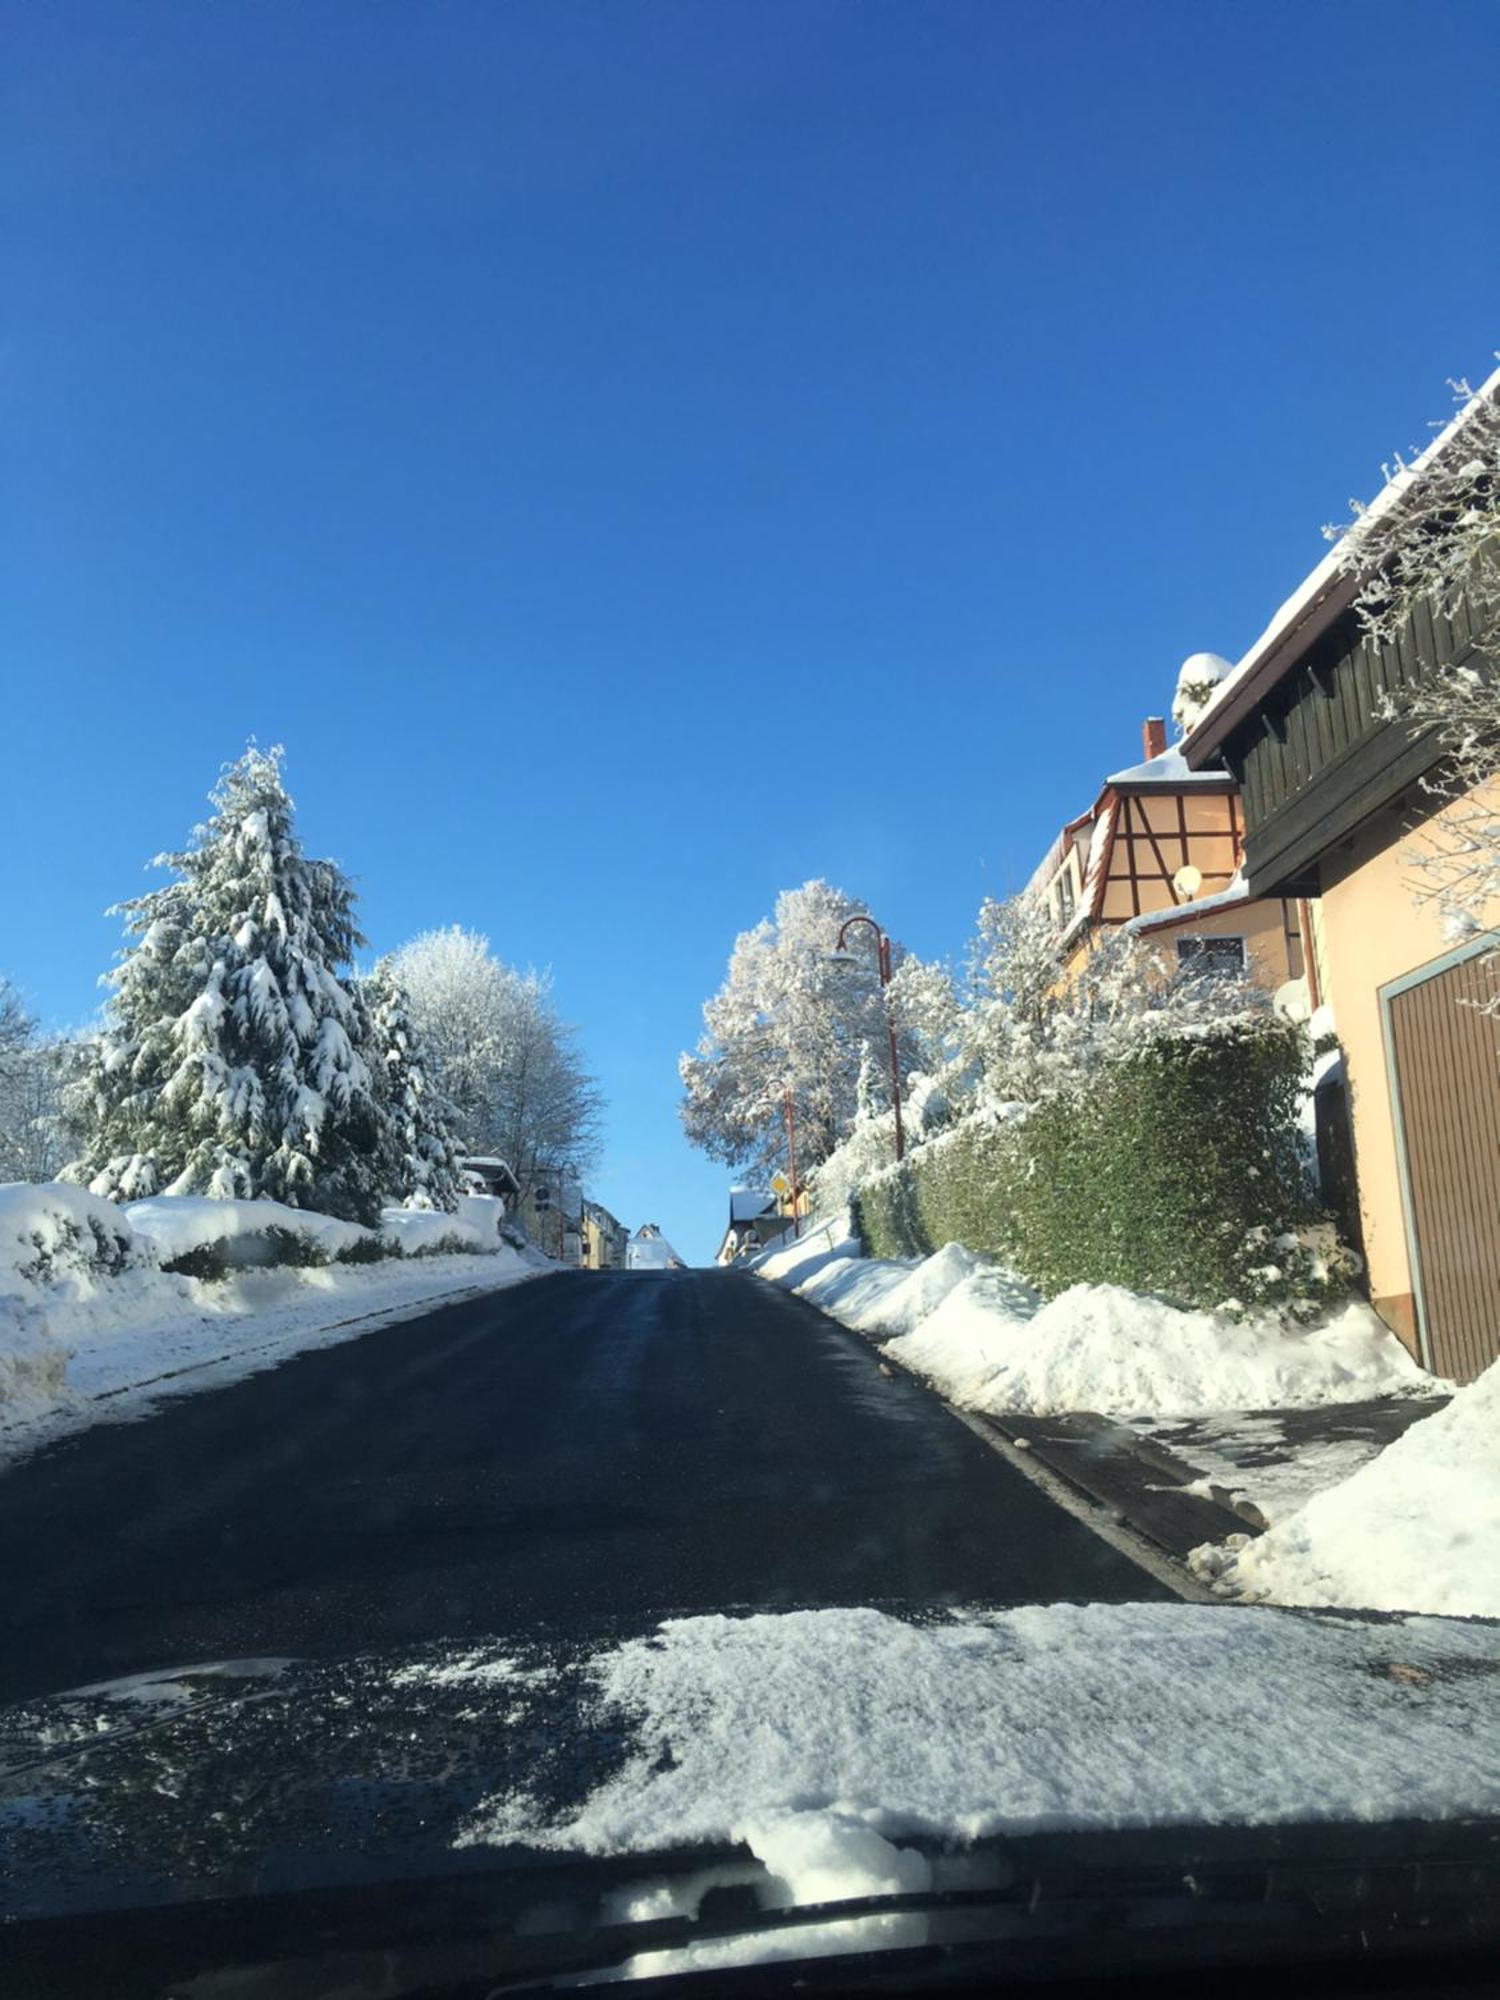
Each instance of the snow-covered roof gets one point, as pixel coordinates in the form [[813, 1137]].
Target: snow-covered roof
[[747, 1203], [1202, 906], [1169, 768], [1323, 593]]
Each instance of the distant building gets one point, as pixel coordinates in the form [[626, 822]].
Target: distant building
[[552, 1211], [604, 1239], [649, 1250], [755, 1219]]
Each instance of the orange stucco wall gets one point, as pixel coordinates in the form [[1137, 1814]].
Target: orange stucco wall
[[1260, 924], [1372, 928]]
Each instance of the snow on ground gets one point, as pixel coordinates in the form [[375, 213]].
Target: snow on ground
[[91, 1329], [178, 1223], [806, 1733], [1249, 1453], [1099, 1347], [986, 1340], [1417, 1529]]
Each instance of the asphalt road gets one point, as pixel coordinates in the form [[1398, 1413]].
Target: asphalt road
[[590, 1450]]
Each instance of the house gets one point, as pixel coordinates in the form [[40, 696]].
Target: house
[[649, 1250], [552, 1211], [484, 1174], [1334, 804], [1158, 853], [604, 1239], [755, 1219]]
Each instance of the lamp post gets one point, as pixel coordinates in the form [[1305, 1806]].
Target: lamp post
[[843, 956]]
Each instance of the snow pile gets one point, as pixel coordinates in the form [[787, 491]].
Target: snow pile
[[177, 1224], [424, 1232], [871, 1294], [87, 1312], [1045, 1716], [53, 1234], [33, 1364], [1099, 1347], [983, 1336], [1417, 1529]]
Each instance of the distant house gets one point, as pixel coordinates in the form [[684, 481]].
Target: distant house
[[1337, 792], [1158, 853], [488, 1175], [649, 1250], [552, 1211], [604, 1239], [755, 1219]]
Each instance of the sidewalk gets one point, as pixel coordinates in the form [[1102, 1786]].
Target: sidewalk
[[1180, 1482]]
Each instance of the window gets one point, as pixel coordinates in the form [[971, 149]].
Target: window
[[1064, 899], [1212, 954]]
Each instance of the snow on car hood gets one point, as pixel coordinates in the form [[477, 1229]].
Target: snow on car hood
[[815, 1739]]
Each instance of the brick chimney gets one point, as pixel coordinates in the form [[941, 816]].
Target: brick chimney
[[1154, 735]]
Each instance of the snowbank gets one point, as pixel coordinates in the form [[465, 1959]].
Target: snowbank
[[177, 1224], [983, 1337], [1417, 1529], [87, 1312], [423, 1232], [51, 1233], [871, 1294], [1099, 1347]]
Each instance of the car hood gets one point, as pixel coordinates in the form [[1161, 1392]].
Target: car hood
[[827, 1744]]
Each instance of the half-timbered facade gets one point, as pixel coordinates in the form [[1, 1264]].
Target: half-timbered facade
[[1159, 852]]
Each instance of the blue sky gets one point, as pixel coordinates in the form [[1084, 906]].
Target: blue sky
[[639, 455]]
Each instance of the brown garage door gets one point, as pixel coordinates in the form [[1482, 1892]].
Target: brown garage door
[[1445, 1050]]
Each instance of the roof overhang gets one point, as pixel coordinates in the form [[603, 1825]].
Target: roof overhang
[[1325, 595], [1302, 620]]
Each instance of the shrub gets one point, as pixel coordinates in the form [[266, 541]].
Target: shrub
[[1175, 1170], [291, 1247], [367, 1250], [207, 1261], [446, 1246]]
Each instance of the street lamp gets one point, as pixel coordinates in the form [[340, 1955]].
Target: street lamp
[[843, 956]]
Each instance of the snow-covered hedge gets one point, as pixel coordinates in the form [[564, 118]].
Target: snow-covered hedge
[[51, 1233], [1176, 1170]]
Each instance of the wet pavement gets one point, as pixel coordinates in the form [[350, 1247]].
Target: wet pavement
[[595, 1449]]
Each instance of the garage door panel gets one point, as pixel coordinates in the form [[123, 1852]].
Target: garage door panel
[[1445, 1048]]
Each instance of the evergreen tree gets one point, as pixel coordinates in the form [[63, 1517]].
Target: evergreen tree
[[421, 1150], [233, 1062]]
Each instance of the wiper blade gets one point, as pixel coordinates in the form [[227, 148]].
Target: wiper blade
[[1054, 1907]]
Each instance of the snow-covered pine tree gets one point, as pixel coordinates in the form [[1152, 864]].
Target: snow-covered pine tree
[[421, 1149], [233, 1061]]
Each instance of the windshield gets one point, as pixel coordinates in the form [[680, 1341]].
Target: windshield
[[749, 1023]]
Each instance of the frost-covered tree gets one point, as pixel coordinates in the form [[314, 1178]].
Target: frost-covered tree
[[1030, 1032], [501, 1053], [1431, 541], [233, 1060], [421, 1162], [33, 1142], [787, 1019]]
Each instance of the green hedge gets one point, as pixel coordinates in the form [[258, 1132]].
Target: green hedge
[[1178, 1170]]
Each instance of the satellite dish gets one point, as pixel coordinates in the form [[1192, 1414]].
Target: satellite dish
[[1187, 881], [1292, 1001]]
